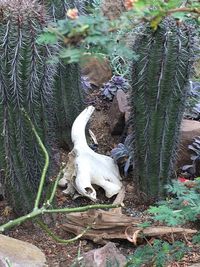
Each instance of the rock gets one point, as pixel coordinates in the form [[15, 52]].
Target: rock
[[195, 265], [123, 103], [20, 253], [189, 130], [2, 264], [119, 113], [97, 70], [108, 255], [116, 118]]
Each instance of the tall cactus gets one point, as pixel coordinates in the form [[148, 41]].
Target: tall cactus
[[58, 8], [68, 98], [158, 95], [25, 82]]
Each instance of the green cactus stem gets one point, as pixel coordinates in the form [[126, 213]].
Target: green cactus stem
[[158, 95], [68, 98], [26, 81]]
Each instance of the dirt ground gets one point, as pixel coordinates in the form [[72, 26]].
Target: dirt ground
[[59, 255]]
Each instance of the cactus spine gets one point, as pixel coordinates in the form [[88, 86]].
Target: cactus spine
[[25, 82], [158, 95]]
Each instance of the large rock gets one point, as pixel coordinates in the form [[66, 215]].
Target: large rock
[[97, 70], [119, 113], [189, 130], [108, 255], [19, 253]]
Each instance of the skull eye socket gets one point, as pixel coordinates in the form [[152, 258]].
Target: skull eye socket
[[88, 190]]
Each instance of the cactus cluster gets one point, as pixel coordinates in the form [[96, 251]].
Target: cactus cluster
[[50, 94], [25, 82], [68, 97], [159, 91]]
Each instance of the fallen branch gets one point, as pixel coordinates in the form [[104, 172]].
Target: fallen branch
[[108, 225]]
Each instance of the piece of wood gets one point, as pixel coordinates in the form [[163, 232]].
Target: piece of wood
[[108, 225], [100, 219], [119, 200]]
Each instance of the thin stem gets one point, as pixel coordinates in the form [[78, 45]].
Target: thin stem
[[21, 219], [184, 9], [58, 239], [46, 165], [49, 201], [43, 210], [85, 208]]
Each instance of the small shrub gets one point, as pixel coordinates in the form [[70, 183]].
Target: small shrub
[[183, 207], [122, 154], [116, 83], [159, 254], [85, 84], [196, 238]]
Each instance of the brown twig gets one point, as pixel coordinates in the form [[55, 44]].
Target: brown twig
[[184, 9]]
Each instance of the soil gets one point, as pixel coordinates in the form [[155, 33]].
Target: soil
[[60, 255]]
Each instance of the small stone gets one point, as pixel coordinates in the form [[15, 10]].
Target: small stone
[[108, 255], [116, 118], [122, 100], [129, 188], [119, 113], [19, 253]]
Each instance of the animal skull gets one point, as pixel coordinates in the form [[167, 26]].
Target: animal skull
[[86, 167]]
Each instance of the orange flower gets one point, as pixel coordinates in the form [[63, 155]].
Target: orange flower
[[72, 13], [185, 203], [129, 4]]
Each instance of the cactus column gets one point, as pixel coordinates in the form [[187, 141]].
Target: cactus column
[[158, 95], [25, 82], [68, 97]]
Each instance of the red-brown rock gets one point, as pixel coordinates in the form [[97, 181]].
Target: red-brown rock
[[119, 113], [108, 255], [189, 130], [97, 70]]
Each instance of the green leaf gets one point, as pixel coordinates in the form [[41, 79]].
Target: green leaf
[[159, 254], [47, 38], [165, 214], [70, 55], [155, 22], [196, 239], [179, 15], [144, 225]]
